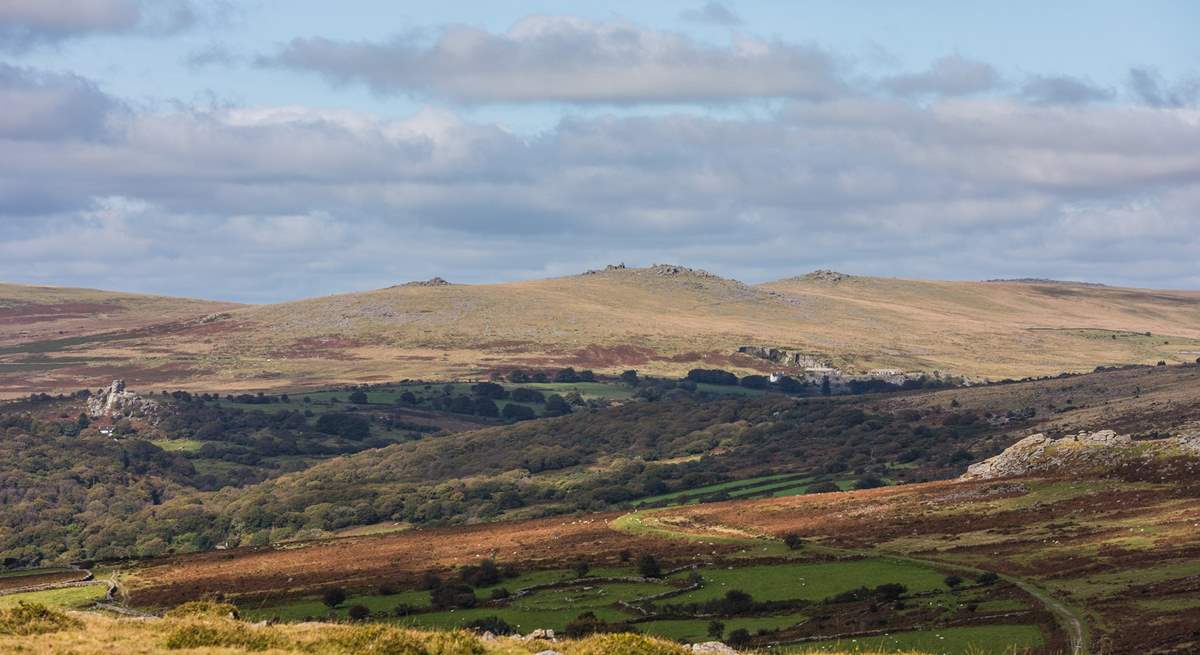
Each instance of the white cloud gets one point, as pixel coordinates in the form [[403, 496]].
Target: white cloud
[[259, 203]]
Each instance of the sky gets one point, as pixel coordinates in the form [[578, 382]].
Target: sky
[[269, 150]]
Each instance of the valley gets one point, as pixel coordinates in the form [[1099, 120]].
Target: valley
[[831, 516]]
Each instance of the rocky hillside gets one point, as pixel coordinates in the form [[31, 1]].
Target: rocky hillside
[[1088, 453]]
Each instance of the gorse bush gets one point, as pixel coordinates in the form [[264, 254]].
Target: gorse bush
[[33, 619]]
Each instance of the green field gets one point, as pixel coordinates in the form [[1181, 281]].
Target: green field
[[816, 581], [975, 640], [777, 485], [696, 630], [66, 597], [178, 445], [20, 573], [554, 608]]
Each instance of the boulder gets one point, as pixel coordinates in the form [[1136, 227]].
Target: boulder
[[1103, 438], [1190, 441], [713, 648], [1038, 453], [541, 633], [1015, 460]]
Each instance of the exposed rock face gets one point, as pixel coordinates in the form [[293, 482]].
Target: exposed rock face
[[713, 648], [117, 402], [825, 275], [1190, 442], [431, 282], [785, 357], [1038, 453]]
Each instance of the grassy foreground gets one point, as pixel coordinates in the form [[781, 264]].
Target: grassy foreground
[[204, 629]]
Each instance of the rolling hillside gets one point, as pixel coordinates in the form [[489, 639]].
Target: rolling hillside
[[659, 320]]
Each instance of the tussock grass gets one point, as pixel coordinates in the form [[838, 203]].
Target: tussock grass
[[204, 608], [199, 633], [28, 619]]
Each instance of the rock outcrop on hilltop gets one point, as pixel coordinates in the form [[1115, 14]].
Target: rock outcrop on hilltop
[[117, 402], [1039, 453], [431, 282]]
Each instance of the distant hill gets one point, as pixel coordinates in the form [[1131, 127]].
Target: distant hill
[[663, 319]]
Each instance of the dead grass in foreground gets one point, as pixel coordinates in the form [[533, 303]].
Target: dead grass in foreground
[[86, 633]]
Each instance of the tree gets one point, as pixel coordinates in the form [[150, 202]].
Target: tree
[[333, 597], [527, 395], [987, 578], [648, 566], [358, 612], [788, 384], [486, 407], [518, 376], [869, 482], [716, 629], [566, 375], [453, 595], [755, 382], [793, 541], [358, 397], [952, 581], [581, 568], [515, 412], [492, 624], [712, 376], [822, 488], [489, 390], [890, 591], [347, 426], [556, 405], [736, 602], [630, 377], [738, 638]]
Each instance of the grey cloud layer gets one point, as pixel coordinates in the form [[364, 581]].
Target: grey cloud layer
[[259, 203], [948, 76], [568, 59], [26, 24]]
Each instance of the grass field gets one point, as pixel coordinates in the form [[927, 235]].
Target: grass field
[[20, 573], [67, 597], [796, 581], [178, 445], [984, 639]]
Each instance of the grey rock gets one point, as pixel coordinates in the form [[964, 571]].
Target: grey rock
[[117, 402], [713, 648]]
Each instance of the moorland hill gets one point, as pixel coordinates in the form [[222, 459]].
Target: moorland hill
[[663, 319]]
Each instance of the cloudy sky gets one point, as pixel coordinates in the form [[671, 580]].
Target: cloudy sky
[[275, 149]]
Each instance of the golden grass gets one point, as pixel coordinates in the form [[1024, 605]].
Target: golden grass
[[94, 634], [640, 318]]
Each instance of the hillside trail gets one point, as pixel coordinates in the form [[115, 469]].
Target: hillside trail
[[1067, 617]]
